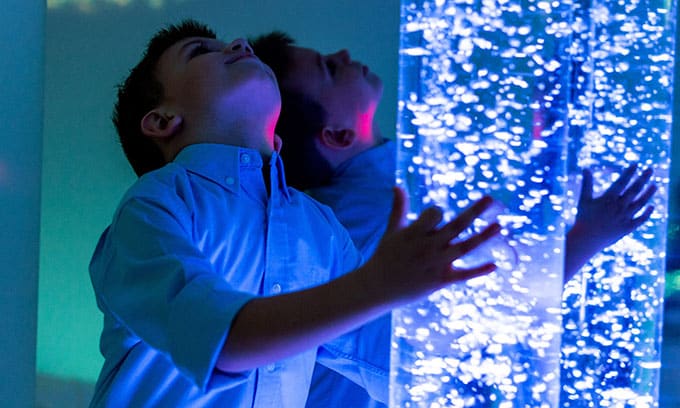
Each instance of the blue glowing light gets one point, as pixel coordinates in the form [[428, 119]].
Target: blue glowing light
[[511, 98]]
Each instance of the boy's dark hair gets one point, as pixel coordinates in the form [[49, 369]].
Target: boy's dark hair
[[301, 118], [142, 91]]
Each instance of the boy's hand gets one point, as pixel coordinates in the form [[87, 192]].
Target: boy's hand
[[607, 218], [413, 261], [604, 220]]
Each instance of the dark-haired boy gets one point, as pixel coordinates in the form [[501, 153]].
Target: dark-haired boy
[[335, 151], [217, 282]]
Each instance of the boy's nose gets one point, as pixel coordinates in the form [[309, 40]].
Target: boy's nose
[[342, 56], [239, 44]]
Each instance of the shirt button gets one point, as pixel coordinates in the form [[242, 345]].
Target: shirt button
[[276, 288], [245, 158], [229, 180]]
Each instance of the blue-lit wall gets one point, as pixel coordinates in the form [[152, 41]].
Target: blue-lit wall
[[89, 46], [21, 93]]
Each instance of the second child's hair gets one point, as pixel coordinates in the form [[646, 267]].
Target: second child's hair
[[142, 91], [301, 118]]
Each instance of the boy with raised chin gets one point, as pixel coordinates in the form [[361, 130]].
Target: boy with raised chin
[[221, 286]]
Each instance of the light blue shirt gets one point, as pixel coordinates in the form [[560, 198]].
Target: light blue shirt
[[360, 195], [188, 246]]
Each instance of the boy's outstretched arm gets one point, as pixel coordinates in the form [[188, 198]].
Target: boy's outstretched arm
[[410, 263], [602, 221]]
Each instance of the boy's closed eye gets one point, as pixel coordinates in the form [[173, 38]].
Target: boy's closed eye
[[199, 49]]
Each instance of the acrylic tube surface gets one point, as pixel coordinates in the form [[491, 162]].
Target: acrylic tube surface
[[620, 113], [482, 110]]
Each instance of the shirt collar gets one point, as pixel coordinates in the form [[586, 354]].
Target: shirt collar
[[379, 160], [278, 175], [223, 165], [218, 162]]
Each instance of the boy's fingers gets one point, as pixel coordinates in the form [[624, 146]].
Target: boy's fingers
[[477, 208], [427, 220], [454, 227], [397, 219], [617, 187], [642, 218], [587, 185], [634, 189], [462, 247], [643, 198]]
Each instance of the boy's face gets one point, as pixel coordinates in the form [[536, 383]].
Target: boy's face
[[348, 90], [210, 83]]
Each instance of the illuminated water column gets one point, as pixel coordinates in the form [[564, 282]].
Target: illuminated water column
[[483, 104], [620, 113]]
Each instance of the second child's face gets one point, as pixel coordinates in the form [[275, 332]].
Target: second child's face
[[347, 89], [203, 77]]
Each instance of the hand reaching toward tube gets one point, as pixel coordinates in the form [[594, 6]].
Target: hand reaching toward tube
[[601, 221], [413, 261], [410, 263]]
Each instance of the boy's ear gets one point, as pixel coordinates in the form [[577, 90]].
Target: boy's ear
[[159, 124], [337, 138]]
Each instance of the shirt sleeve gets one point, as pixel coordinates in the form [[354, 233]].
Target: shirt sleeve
[[153, 279]]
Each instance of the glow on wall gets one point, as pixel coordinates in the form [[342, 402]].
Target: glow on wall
[[511, 98]]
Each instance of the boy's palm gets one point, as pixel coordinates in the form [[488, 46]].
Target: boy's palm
[[614, 214], [412, 261]]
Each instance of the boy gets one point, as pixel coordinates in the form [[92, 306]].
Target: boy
[[335, 151], [216, 281]]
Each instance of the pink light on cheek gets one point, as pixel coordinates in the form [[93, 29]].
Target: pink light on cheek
[[365, 123], [270, 127], [270, 92]]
